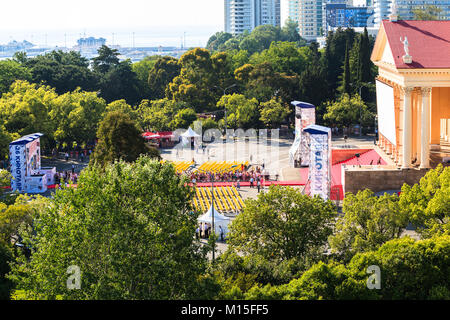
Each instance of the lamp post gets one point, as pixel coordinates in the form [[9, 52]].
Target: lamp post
[[362, 84], [224, 93], [212, 204]]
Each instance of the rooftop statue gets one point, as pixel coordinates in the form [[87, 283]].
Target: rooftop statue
[[405, 45]]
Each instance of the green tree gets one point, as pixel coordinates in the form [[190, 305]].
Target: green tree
[[241, 112], [120, 82], [274, 113], [290, 33], [128, 227], [264, 35], [11, 71], [119, 139], [75, 116], [217, 41], [194, 85], [313, 87], [282, 224], [346, 111], [345, 77], [264, 83], [365, 65], [25, 109], [428, 202], [6, 285], [334, 56], [122, 106], [156, 115], [107, 58], [183, 119], [368, 222], [429, 12], [162, 73], [142, 71], [284, 57], [13, 218], [64, 71], [410, 270]]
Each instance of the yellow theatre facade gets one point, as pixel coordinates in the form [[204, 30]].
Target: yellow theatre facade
[[413, 91]]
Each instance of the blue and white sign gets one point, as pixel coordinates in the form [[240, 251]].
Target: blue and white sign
[[320, 160], [25, 160]]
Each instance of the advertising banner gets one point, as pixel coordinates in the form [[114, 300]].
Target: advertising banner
[[308, 118], [305, 115], [320, 161], [25, 161], [17, 156]]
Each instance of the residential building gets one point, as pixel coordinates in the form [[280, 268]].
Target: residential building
[[310, 19], [241, 15], [404, 8], [345, 16]]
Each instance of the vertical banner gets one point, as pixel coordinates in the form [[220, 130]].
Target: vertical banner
[[305, 115], [308, 118], [25, 160], [17, 156], [320, 161]]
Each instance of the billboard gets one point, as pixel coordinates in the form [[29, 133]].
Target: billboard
[[305, 115], [320, 161], [386, 111], [25, 160], [308, 118]]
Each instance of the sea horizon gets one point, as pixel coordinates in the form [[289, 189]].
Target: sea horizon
[[152, 36]]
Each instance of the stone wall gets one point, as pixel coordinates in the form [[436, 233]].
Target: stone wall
[[380, 179]]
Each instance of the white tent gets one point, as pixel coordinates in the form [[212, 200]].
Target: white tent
[[189, 133], [219, 220], [187, 137]]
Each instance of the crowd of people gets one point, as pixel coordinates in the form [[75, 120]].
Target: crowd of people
[[204, 230], [66, 177], [253, 175]]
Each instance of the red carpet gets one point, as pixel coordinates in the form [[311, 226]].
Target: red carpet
[[370, 157]]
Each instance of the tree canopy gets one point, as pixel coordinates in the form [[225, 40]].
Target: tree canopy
[[129, 227]]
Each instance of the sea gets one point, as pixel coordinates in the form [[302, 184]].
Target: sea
[[188, 36]]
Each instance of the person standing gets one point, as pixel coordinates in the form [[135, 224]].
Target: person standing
[[221, 233], [251, 182], [258, 184], [197, 233]]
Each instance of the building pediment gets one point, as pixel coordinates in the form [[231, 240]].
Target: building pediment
[[428, 44]]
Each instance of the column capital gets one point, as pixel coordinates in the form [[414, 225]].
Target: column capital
[[406, 90], [425, 90]]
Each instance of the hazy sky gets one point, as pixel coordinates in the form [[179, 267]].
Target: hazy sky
[[153, 21], [62, 14]]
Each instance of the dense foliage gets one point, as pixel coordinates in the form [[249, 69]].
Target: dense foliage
[[128, 227], [65, 96]]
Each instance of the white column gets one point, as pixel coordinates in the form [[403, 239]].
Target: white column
[[425, 129], [407, 125]]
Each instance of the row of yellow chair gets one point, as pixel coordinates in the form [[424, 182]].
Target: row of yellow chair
[[181, 166], [218, 166], [226, 199]]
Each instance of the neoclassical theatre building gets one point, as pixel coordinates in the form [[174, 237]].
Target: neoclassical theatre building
[[413, 91]]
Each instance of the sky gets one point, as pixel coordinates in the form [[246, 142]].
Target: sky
[[153, 22]]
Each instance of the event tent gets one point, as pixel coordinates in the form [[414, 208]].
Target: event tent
[[219, 220], [188, 137], [189, 133]]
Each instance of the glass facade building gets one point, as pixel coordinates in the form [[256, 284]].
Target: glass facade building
[[241, 15]]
